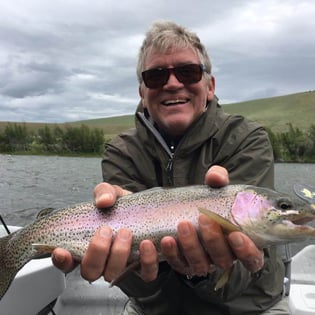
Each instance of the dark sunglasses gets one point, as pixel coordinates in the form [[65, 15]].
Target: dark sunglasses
[[187, 74]]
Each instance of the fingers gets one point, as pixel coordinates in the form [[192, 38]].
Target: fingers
[[224, 250], [237, 245], [149, 261], [217, 176], [105, 256], [215, 242], [63, 260], [94, 260], [105, 194], [189, 256], [108, 257], [119, 255], [193, 251], [174, 257], [246, 251]]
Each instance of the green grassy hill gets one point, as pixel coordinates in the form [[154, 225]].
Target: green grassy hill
[[275, 113], [111, 125]]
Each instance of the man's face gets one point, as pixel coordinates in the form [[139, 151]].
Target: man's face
[[175, 105]]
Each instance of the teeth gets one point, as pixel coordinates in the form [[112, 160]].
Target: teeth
[[174, 102]]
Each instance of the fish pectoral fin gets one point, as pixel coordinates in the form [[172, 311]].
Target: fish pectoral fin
[[223, 279], [132, 267], [226, 225], [42, 249]]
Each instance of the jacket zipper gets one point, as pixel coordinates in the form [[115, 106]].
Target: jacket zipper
[[169, 171], [169, 150], [169, 167]]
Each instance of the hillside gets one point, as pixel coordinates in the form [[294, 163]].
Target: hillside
[[275, 113], [111, 125]]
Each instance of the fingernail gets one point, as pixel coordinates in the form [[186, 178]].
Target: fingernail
[[237, 241], [183, 229], [103, 198], [219, 170], [204, 221], [105, 232], [124, 235], [58, 258], [146, 248]]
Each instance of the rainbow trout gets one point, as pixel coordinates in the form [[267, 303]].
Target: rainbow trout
[[266, 216]]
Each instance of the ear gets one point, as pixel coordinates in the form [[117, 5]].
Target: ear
[[141, 93], [211, 86]]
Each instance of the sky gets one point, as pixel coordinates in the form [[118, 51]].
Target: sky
[[69, 60]]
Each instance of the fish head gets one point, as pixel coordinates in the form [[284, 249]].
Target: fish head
[[269, 217]]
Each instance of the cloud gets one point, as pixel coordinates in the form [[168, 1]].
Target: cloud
[[70, 60]]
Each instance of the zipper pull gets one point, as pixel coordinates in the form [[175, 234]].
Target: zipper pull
[[169, 171]]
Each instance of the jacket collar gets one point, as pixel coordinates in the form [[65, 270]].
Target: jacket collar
[[202, 129]]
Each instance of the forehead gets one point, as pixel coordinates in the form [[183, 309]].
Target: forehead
[[171, 56]]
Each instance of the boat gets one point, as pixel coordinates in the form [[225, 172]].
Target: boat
[[35, 287], [41, 289]]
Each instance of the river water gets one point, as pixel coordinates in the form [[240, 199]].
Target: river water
[[31, 183]]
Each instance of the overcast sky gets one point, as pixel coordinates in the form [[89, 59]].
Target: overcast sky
[[66, 60]]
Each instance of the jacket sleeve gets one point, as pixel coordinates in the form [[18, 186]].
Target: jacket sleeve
[[118, 167]]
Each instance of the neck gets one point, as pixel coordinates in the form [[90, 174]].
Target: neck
[[171, 141]]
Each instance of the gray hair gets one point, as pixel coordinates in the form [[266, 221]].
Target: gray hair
[[164, 35]]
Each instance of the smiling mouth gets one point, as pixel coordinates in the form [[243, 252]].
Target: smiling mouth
[[174, 102]]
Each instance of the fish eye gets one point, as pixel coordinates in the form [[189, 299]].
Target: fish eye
[[284, 204]]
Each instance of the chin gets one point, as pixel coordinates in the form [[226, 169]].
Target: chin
[[176, 128]]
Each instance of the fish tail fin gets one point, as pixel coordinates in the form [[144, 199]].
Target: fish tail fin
[[225, 224], [7, 272]]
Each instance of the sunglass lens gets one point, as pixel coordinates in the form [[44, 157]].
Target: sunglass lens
[[189, 73], [155, 78]]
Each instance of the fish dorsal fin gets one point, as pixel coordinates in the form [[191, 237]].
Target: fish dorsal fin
[[44, 213], [305, 192]]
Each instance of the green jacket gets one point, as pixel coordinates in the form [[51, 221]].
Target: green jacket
[[140, 158]]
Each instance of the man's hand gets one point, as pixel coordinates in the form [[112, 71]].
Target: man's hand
[[103, 250], [190, 257]]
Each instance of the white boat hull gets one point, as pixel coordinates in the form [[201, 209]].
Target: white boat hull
[[39, 283], [36, 285]]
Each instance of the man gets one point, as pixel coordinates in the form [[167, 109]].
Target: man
[[183, 137]]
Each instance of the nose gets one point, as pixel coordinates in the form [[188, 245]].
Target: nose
[[173, 82]]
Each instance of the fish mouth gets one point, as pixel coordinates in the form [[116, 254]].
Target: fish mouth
[[297, 218], [302, 221]]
